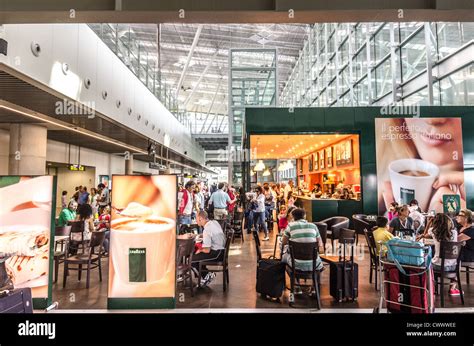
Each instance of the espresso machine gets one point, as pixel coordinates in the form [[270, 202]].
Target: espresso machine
[[6, 283]]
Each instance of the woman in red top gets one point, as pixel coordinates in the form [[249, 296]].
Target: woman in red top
[[231, 206]]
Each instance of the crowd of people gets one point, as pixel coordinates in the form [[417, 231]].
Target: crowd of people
[[440, 227], [93, 209]]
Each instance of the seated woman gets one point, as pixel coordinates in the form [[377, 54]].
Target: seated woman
[[317, 190], [466, 234], [392, 211], [291, 200], [84, 215], [402, 221], [67, 214], [442, 229], [104, 224]]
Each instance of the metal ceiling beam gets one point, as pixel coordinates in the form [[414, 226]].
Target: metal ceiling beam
[[190, 54], [199, 80], [212, 104]]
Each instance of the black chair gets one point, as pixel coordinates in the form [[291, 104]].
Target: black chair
[[237, 223], [360, 224], [452, 251], [90, 259], [334, 224], [222, 266], [60, 255], [304, 252], [346, 237], [323, 231], [374, 259], [184, 258]]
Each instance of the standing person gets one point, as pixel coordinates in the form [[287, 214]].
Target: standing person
[[94, 196], [186, 203], [288, 189], [77, 192], [84, 214], [213, 245], [199, 197], [290, 200], [64, 200], [402, 221], [269, 202], [259, 213], [219, 200], [83, 196], [231, 206], [104, 197]]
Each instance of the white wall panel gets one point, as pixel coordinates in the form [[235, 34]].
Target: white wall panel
[[89, 57]]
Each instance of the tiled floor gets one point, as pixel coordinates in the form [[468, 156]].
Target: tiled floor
[[241, 292]]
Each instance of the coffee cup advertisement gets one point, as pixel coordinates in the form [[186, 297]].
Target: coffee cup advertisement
[[142, 238], [419, 159]]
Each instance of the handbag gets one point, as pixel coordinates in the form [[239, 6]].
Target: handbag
[[408, 252]]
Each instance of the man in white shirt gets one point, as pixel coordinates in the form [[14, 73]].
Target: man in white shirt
[[186, 203], [213, 245], [288, 188]]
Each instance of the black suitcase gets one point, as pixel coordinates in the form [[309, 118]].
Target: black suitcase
[[270, 278], [343, 284], [16, 302]]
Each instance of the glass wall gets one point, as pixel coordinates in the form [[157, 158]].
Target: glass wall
[[360, 64]]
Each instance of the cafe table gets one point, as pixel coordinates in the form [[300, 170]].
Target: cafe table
[[60, 240]]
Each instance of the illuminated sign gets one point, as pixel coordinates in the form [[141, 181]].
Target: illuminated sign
[[78, 168]]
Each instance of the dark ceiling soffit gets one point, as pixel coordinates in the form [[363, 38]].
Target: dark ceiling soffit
[[242, 11], [232, 6], [127, 135]]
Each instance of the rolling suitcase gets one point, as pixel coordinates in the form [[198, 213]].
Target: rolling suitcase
[[16, 302], [270, 278], [344, 275], [343, 280]]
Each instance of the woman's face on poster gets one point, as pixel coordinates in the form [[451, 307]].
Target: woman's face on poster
[[438, 140]]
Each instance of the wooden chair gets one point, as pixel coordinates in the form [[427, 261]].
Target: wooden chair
[[237, 223], [448, 250], [77, 232], [304, 252], [222, 266], [184, 258], [60, 255], [468, 269], [90, 259]]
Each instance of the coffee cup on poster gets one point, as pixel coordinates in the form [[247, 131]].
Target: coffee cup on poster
[[413, 179], [152, 237]]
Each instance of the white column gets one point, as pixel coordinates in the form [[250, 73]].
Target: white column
[[27, 152]]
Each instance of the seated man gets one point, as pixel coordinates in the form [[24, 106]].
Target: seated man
[[67, 214], [300, 230], [213, 245], [381, 234]]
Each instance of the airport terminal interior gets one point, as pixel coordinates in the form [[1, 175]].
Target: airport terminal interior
[[181, 161]]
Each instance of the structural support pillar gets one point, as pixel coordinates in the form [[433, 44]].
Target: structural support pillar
[[27, 152], [129, 165]]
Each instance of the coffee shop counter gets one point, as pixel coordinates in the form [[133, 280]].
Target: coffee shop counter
[[318, 209]]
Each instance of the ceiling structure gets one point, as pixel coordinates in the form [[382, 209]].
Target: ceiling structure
[[266, 147]]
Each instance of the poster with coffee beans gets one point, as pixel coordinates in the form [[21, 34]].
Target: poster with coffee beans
[[420, 161]]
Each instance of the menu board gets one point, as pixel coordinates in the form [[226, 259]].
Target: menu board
[[143, 242], [344, 153], [321, 159], [26, 237], [316, 162], [329, 157], [310, 163]]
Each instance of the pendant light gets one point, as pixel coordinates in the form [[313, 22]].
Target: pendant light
[[260, 166]]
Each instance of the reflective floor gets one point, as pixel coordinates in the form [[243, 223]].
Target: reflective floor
[[241, 292]]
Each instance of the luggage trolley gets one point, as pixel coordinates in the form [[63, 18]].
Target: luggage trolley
[[411, 271]]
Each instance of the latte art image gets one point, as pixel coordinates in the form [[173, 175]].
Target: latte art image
[[142, 239]]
